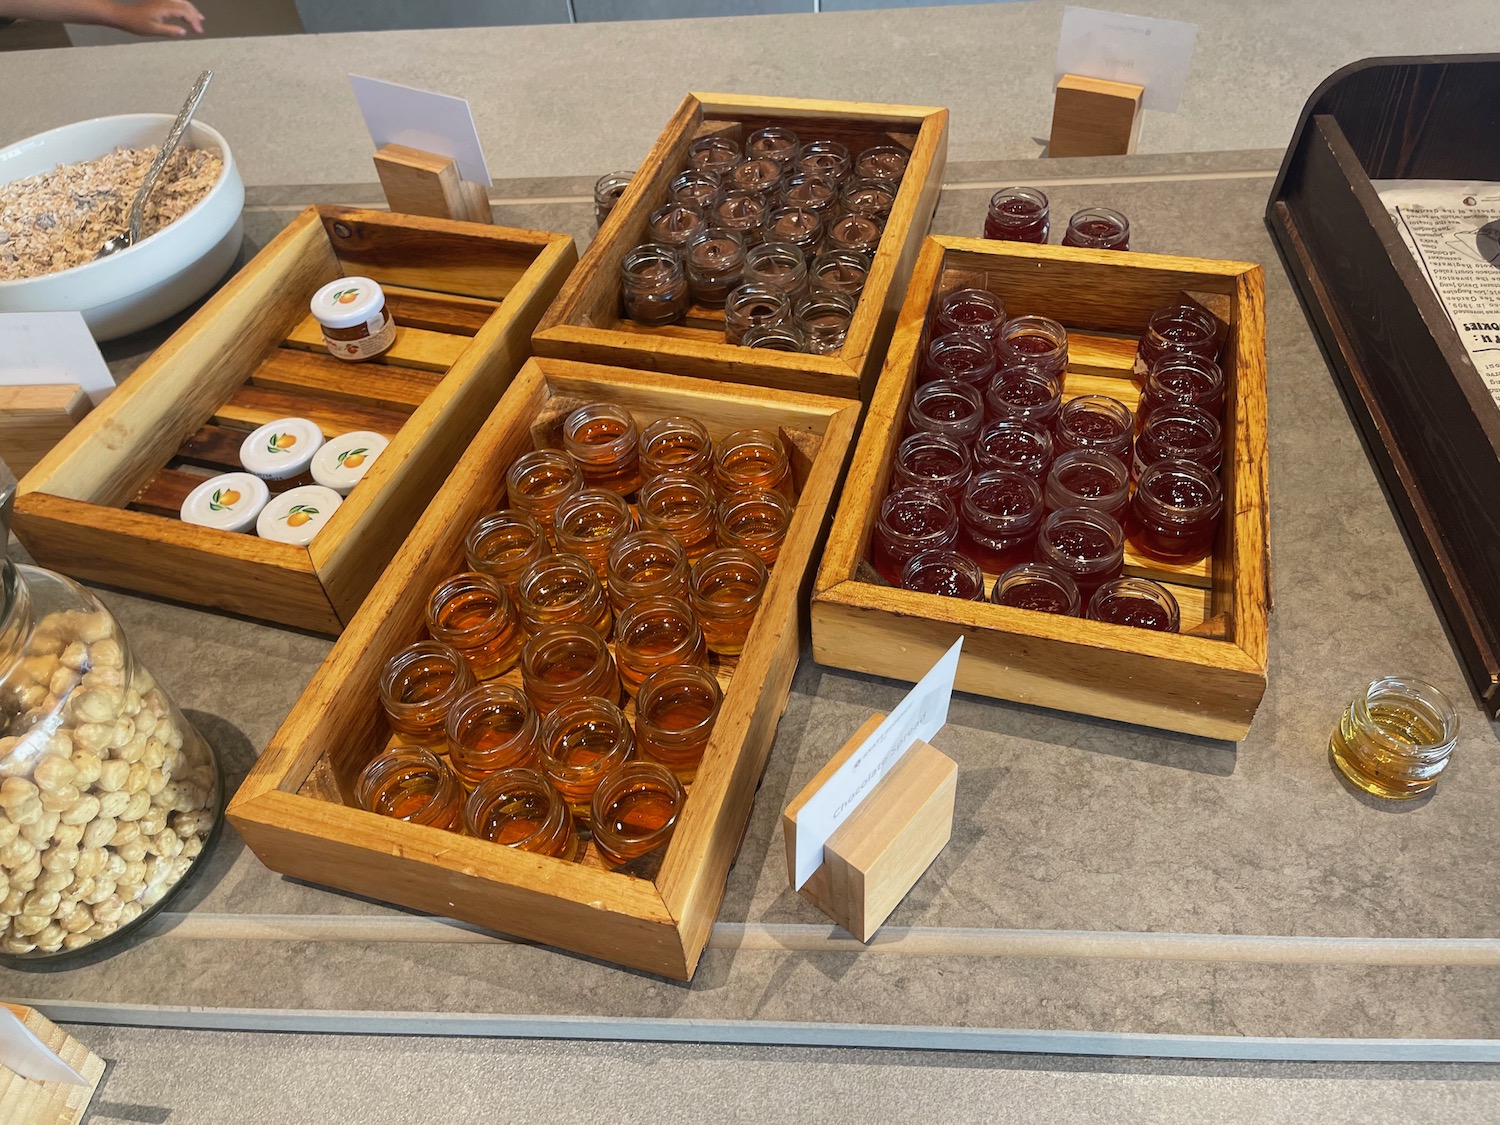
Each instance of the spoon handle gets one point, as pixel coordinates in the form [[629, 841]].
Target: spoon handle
[[168, 147]]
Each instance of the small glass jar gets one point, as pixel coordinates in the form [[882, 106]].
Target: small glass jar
[[759, 175], [1177, 328], [1098, 228], [796, 225], [743, 213], [726, 588], [563, 662], [582, 740], [870, 197], [697, 188], [521, 809], [716, 154], [1175, 511], [656, 633], [646, 564], [493, 727], [1086, 478], [946, 406], [750, 306], [750, 459], [755, 521], [1184, 432], [473, 613], [910, 520], [676, 225], [538, 482], [603, 441], [1017, 214], [1015, 443], [562, 589], [840, 271], [882, 162], [779, 265], [676, 444], [856, 234], [680, 505], [1137, 602], [1022, 393], [812, 191], [419, 685], [355, 319], [824, 158], [998, 518], [775, 338], [715, 266], [1035, 341], [1037, 586], [1395, 738], [411, 784], [1088, 546], [964, 356], [653, 285], [1095, 422], [775, 141], [947, 574], [607, 191], [824, 318], [970, 310], [675, 712], [634, 811], [1183, 379], [589, 523], [504, 543], [935, 462]]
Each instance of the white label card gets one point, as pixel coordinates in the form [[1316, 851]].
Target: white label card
[[420, 119], [1146, 52], [22, 1052], [48, 348], [916, 718]]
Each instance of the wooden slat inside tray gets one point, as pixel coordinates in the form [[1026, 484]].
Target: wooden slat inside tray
[[414, 347], [396, 388], [249, 407], [165, 492], [213, 447], [437, 312]]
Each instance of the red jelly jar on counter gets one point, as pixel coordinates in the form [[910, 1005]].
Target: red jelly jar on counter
[[910, 520], [935, 462], [1098, 228], [1088, 546], [971, 310], [947, 574], [1017, 214], [963, 356], [1037, 586], [998, 518], [1023, 393], [1086, 478], [1178, 328], [1175, 511], [1095, 422], [1137, 602], [1183, 379], [1183, 432], [1014, 443], [1035, 341], [946, 407]]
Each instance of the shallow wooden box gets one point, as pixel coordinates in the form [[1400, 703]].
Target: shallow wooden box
[[1209, 679], [585, 322], [294, 809], [103, 504]]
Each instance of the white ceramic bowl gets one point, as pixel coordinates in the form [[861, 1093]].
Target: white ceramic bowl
[[158, 276]]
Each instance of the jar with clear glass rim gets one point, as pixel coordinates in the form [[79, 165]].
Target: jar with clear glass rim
[[1086, 478], [538, 482], [646, 564], [759, 174], [1175, 510], [563, 662], [1098, 228], [419, 685], [778, 265], [521, 809], [743, 212], [840, 270], [824, 158], [413, 784], [798, 226], [933, 461], [492, 727], [696, 187], [589, 523], [675, 712], [883, 162], [716, 154], [751, 459], [1178, 328], [775, 141], [726, 587], [1395, 738], [653, 285], [775, 338], [715, 265], [1034, 341], [1039, 587], [824, 318], [998, 518], [676, 444], [682, 506], [1136, 602], [634, 811], [910, 520], [607, 192], [870, 197], [1088, 546], [1183, 379], [946, 406], [948, 574], [504, 543], [1014, 443], [1017, 214], [655, 633], [755, 521], [813, 191], [964, 356], [1184, 432], [752, 305], [970, 310], [473, 613], [1095, 422], [604, 442], [562, 589], [676, 225], [855, 234], [1022, 393], [582, 740]]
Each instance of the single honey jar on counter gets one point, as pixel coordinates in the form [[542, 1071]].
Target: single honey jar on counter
[[675, 712], [1034, 341], [998, 518], [676, 445], [750, 459], [521, 809], [933, 461], [1037, 586], [1086, 478], [977, 311], [646, 564], [602, 439], [910, 520], [582, 740], [726, 589], [656, 633], [504, 543], [634, 811], [412, 784], [1014, 443], [1017, 214], [1023, 393], [589, 523], [562, 589], [563, 662], [947, 574], [538, 482], [419, 685], [474, 614], [1174, 513], [1395, 738], [1182, 379], [964, 356], [946, 406], [492, 727], [755, 521], [1095, 422], [680, 505], [1137, 602], [1088, 546]]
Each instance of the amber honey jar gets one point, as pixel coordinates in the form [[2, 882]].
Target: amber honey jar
[[1174, 512], [538, 482], [964, 356], [910, 520], [656, 633], [947, 574], [634, 811], [521, 809], [1037, 586], [727, 586], [1137, 602], [646, 564], [998, 518], [1014, 443], [1086, 545], [602, 439], [411, 784], [563, 662], [562, 589], [946, 406], [502, 544], [676, 445], [418, 686], [675, 712], [751, 459], [582, 740], [1023, 393], [1035, 341], [756, 521], [473, 613], [1395, 738], [589, 523], [491, 728], [933, 461], [680, 505]]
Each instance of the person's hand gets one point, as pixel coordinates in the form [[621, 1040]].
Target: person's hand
[[158, 17]]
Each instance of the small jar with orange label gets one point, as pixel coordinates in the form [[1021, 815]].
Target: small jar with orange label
[[356, 323]]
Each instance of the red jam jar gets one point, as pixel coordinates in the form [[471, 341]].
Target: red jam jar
[[653, 286], [1037, 586], [1137, 602], [1098, 228], [998, 518], [935, 462], [1095, 422], [964, 356], [1023, 394], [716, 154], [946, 407], [1014, 443], [775, 141], [947, 574], [1178, 328], [970, 310], [1017, 214], [676, 225], [1175, 511], [872, 198], [910, 520], [1035, 341], [1088, 546], [1086, 478], [1182, 379], [1183, 432]]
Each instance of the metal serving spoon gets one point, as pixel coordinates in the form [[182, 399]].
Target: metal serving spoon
[[169, 146]]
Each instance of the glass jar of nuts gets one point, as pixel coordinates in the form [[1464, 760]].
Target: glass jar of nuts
[[107, 796]]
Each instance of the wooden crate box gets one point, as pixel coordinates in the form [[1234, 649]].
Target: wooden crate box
[[295, 809], [586, 322], [1208, 679], [103, 504]]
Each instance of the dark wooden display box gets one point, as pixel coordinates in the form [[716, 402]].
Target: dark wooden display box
[[1426, 416]]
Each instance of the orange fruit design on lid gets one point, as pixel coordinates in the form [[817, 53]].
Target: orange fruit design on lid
[[299, 515], [346, 296], [280, 443], [354, 458], [223, 498]]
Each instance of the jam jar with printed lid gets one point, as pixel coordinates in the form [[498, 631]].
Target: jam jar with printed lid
[[356, 323]]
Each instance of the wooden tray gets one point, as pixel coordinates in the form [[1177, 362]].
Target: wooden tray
[[585, 322], [1207, 680], [1427, 418], [103, 504], [294, 809]]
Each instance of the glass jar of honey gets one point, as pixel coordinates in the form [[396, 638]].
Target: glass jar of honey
[[947, 574], [634, 811], [1086, 478], [726, 588], [750, 459], [1137, 602], [946, 406], [676, 445], [563, 662], [653, 285], [521, 809], [582, 740], [1017, 214], [1395, 738], [492, 727], [999, 517], [1037, 586], [646, 564], [419, 685], [1175, 511], [977, 311], [473, 613], [1095, 422], [656, 633], [675, 712], [1098, 228], [1022, 393], [681, 505], [910, 520], [562, 589], [755, 521], [603, 441], [963, 356], [1014, 443], [588, 524], [1086, 545], [504, 543], [538, 482], [1035, 341], [411, 784]]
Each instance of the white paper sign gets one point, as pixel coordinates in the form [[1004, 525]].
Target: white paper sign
[[917, 717], [50, 348], [22, 1052], [420, 119], [1147, 52]]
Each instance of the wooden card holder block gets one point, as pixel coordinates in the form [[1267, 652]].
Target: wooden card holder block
[[585, 323], [424, 183], [25, 1101], [293, 809], [888, 841], [102, 505], [35, 418], [1207, 680], [1095, 117]]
